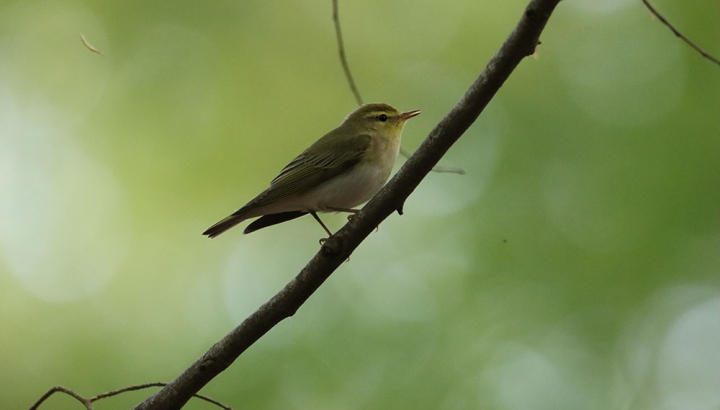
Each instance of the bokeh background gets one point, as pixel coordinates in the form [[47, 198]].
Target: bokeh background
[[575, 266]]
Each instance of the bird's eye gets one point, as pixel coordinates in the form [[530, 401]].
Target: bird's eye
[[382, 117]]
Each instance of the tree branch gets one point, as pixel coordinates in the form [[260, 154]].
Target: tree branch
[[679, 34], [521, 43]]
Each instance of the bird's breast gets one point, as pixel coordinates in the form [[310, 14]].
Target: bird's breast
[[362, 182]]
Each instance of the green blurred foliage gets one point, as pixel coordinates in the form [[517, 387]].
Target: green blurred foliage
[[574, 267]]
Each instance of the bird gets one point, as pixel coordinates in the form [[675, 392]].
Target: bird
[[343, 169]]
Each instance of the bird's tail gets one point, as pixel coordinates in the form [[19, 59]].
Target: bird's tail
[[223, 225]]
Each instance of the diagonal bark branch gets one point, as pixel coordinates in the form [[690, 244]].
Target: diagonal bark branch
[[521, 43]]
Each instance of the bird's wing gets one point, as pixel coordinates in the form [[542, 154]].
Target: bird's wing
[[272, 219], [325, 159]]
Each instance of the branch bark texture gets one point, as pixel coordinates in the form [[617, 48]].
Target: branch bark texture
[[521, 43]]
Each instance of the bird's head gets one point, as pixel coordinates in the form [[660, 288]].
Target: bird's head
[[379, 118]]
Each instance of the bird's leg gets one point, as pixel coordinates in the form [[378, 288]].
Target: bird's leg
[[351, 211], [317, 218]]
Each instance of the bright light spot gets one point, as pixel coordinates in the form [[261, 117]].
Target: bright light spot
[[526, 379], [689, 361], [61, 212], [670, 351]]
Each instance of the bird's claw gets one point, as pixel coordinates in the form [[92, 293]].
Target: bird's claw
[[351, 216]]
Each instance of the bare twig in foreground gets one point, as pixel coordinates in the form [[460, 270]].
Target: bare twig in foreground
[[521, 43], [346, 68], [59, 389], [88, 402], [679, 34]]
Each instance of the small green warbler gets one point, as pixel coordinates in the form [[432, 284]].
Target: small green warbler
[[341, 170]]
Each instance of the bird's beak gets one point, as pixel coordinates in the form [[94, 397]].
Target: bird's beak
[[407, 115]]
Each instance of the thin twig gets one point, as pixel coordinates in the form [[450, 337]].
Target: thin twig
[[341, 50], [59, 389], [158, 384], [679, 34], [346, 68], [519, 44], [440, 169], [88, 402]]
